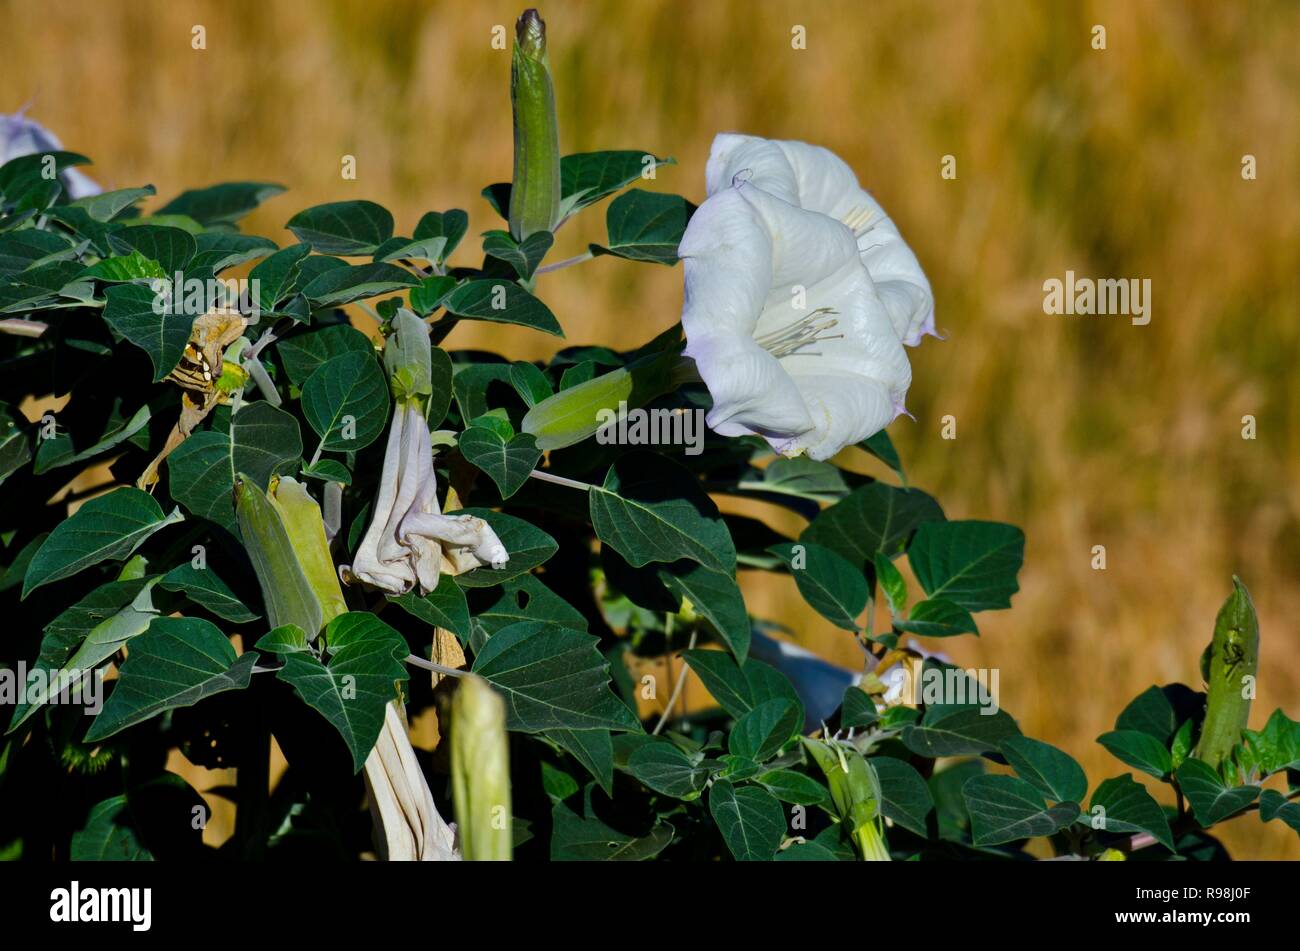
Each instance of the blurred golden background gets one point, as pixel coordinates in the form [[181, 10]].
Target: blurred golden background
[[1123, 163]]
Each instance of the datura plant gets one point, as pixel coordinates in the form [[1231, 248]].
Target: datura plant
[[434, 603]]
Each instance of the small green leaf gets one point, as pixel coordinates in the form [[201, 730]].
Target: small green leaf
[[1126, 806], [506, 461], [892, 583], [524, 256], [450, 225], [343, 227], [1004, 809], [502, 302], [652, 509], [646, 226], [1053, 773], [346, 401], [751, 820], [552, 678], [1211, 799], [760, 733], [827, 581], [937, 617], [1139, 750], [204, 588]]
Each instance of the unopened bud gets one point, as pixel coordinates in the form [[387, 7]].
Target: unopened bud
[[480, 771]]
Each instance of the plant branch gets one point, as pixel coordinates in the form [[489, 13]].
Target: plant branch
[[567, 262], [560, 480], [23, 328], [681, 680]]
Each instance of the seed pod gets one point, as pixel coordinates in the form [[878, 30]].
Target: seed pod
[[288, 595], [1231, 658], [572, 415], [305, 527], [535, 192], [480, 772]]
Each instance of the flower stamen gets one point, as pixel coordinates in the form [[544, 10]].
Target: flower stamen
[[804, 332]]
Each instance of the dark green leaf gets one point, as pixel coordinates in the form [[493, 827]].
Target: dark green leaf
[[904, 796], [652, 509], [346, 401], [828, 582], [365, 666], [204, 588], [343, 227], [221, 204], [108, 528], [874, 518], [552, 678], [1053, 773], [528, 546], [1139, 750], [1126, 806], [502, 302], [973, 564], [751, 820], [937, 617], [760, 733], [1004, 809], [135, 312], [1211, 799], [343, 285], [443, 607], [175, 663], [646, 226], [506, 461]]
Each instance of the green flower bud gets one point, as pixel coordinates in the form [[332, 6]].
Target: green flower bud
[[1229, 666], [855, 793], [286, 591], [480, 771], [535, 193], [408, 358]]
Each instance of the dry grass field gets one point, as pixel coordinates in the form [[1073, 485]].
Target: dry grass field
[[1122, 163]]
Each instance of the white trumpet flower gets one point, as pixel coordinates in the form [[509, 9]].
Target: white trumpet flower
[[800, 294], [408, 538]]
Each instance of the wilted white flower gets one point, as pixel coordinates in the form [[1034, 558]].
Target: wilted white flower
[[800, 294], [21, 136], [408, 537]]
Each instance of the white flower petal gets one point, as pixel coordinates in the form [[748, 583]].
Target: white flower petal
[[826, 184], [726, 254], [844, 409]]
